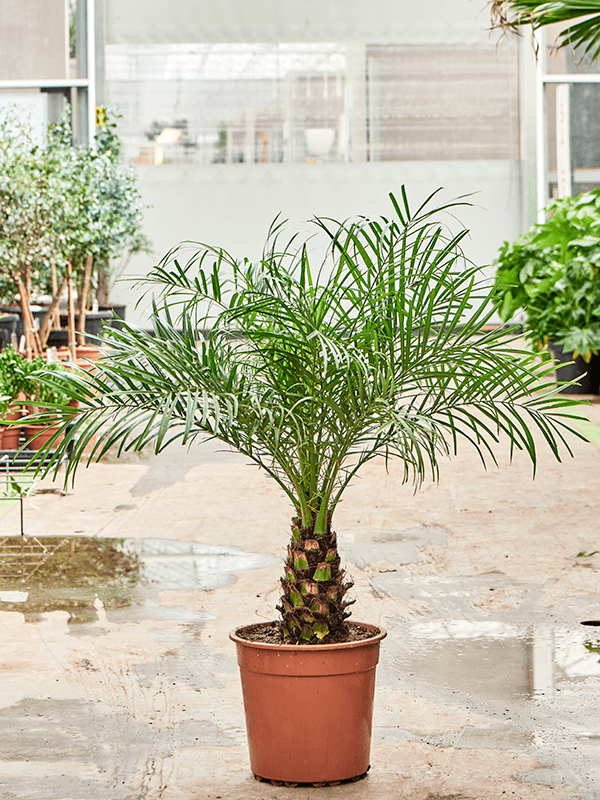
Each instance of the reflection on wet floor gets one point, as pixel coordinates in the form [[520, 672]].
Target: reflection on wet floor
[[119, 580], [497, 661], [90, 577]]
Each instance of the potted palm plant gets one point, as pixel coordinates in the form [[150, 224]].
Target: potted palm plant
[[311, 373]]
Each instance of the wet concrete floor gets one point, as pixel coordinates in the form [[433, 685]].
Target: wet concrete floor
[[119, 681]]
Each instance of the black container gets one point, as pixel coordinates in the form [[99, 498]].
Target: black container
[[112, 316], [119, 314], [8, 326], [95, 321], [38, 314], [587, 375]]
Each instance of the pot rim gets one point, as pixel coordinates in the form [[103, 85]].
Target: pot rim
[[379, 633]]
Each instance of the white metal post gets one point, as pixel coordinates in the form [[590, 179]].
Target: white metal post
[[563, 139], [91, 68], [540, 128]]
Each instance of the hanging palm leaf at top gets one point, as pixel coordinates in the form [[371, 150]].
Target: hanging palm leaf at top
[[510, 15], [313, 372]]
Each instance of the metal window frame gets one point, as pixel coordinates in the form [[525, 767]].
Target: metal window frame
[[89, 68], [544, 79]]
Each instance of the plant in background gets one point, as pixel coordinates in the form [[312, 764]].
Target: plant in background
[[313, 372], [62, 209], [33, 199], [13, 373], [41, 396], [105, 209], [552, 273], [122, 210]]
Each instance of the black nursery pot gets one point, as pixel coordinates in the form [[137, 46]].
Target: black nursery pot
[[587, 375], [8, 326]]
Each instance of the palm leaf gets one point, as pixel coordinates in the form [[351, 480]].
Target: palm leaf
[[510, 15], [311, 373]]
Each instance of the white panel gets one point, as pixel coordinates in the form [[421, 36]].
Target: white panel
[[232, 205], [30, 107], [381, 21], [563, 139]]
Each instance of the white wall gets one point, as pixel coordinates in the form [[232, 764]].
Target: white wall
[[398, 21], [232, 205]]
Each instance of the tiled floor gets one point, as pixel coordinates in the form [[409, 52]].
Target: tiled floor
[[127, 687]]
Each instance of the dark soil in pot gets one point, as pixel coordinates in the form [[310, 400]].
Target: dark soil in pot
[[270, 633]]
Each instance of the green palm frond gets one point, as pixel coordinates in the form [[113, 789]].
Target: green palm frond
[[312, 372], [510, 15]]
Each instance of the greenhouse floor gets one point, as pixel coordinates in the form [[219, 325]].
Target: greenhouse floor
[[119, 680]]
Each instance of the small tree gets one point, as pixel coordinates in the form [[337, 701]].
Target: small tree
[[63, 210], [105, 214], [33, 188], [122, 208]]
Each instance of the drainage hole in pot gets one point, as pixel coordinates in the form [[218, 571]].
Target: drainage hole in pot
[[592, 622]]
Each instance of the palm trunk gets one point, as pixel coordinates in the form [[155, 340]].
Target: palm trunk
[[312, 604]]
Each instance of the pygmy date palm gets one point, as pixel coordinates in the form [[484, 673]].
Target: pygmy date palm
[[510, 15], [313, 372]]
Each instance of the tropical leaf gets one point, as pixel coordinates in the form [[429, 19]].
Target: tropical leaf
[[510, 15], [313, 371]]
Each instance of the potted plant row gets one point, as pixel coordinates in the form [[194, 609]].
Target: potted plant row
[[29, 402], [312, 371], [551, 274]]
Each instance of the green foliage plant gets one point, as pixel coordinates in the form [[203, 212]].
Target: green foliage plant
[[311, 371], [32, 208], [29, 382], [41, 395], [552, 273], [105, 207], [14, 370]]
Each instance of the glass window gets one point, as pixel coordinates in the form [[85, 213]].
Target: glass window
[[313, 102]]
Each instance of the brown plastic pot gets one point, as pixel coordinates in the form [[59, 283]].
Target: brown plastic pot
[[10, 440], [309, 708], [38, 435]]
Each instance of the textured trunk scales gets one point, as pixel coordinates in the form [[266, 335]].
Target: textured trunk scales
[[314, 586]]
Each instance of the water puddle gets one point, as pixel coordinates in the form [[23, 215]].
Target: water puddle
[[502, 662], [121, 578]]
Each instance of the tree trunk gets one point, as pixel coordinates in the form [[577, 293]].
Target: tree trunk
[[71, 317], [33, 346], [312, 604], [51, 314], [85, 288], [54, 321], [103, 282]]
